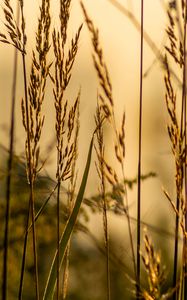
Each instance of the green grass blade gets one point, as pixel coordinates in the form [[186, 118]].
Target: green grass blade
[[51, 281]]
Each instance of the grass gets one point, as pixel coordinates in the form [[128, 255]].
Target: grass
[[46, 225]]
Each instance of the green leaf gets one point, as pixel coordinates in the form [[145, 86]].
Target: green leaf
[[51, 281]]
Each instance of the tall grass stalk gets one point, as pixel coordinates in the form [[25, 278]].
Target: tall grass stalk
[[61, 79], [9, 170], [177, 135], [139, 154], [100, 150], [31, 207], [106, 104], [184, 112], [58, 237], [71, 198], [32, 117]]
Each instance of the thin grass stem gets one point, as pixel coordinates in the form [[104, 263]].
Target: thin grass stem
[[20, 292], [101, 158], [185, 155], [139, 154], [175, 263], [9, 175], [107, 247], [126, 209], [58, 239]]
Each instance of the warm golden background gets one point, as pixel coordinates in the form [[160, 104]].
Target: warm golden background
[[121, 45], [120, 41]]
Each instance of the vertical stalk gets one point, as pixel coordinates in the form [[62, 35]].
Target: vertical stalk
[[24, 255], [185, 166], [9, 175], [126, 211], [101, 172], [105, 221], [139, 156], [31, 207], [58, 237], [183, 171], [105, 218], [31, 182], [176, 245], [176, 249]]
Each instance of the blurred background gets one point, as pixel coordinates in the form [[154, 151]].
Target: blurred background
[[120, 41]]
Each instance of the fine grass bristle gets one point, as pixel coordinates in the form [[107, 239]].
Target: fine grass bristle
[[14, 34], [100, 66], [155, 271]]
